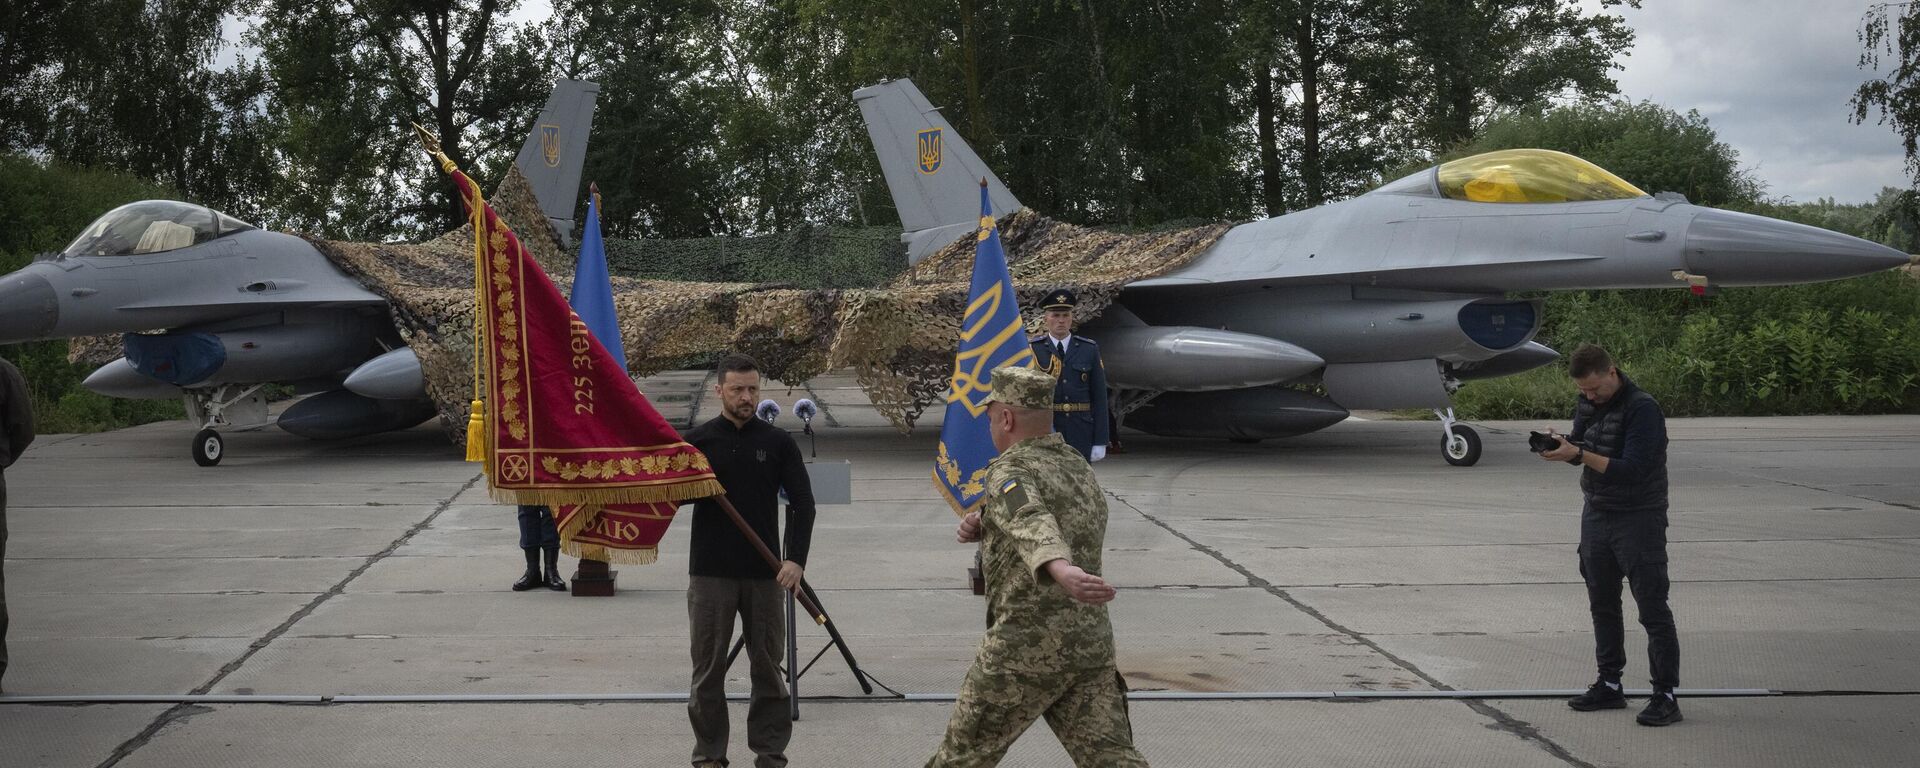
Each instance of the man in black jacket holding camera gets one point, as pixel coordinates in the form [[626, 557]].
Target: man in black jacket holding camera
[[1619, 440]]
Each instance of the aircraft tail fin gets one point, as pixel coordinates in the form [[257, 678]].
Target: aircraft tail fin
[[556, 149], [933, 175]]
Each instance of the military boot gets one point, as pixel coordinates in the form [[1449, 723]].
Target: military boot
[[531, 578], [554, 581]]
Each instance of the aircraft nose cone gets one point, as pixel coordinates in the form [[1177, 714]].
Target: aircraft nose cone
[[1743, 249], [28, 308]]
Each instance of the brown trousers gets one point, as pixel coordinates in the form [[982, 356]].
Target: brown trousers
[[712, 602]]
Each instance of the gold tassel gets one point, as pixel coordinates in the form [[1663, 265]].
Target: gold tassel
[[477, 432]]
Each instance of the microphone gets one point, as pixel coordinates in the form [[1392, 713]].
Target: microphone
[[806, 410], [768, 410]]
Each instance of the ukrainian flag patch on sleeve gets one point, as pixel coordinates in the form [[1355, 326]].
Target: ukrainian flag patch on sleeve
[[1014, 493]]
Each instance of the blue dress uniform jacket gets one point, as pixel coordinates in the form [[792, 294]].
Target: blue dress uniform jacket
[[1080, 396]]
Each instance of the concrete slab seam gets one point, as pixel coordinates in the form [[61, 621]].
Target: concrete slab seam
[[181, 712], [1518, 728]]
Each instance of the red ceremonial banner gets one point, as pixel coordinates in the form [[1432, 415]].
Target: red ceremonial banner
[[564, 425]]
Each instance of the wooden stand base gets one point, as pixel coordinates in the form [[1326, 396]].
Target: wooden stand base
[[593, 579]]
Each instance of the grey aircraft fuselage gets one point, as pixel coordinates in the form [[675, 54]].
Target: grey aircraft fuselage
[[242, 306], [1389, 299]]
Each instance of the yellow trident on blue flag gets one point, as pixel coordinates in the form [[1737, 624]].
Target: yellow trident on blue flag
[[990, 337]]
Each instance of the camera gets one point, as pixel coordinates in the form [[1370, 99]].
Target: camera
[[1541, 442]]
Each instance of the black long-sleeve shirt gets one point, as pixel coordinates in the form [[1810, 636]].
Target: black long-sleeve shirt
[[753, 462], [16, 414]]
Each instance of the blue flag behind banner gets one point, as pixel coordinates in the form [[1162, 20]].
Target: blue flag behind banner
[[991, 337], [592, 297]]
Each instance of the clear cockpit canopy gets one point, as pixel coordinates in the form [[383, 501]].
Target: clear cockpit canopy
[[152, 226], [1530, 176]]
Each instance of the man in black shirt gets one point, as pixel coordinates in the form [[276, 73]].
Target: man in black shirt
[[16, 431], [753, 460]]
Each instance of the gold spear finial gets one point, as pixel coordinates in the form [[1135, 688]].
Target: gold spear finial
[[433, 148]]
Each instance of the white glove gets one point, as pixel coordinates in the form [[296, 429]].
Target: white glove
[[1099, 452]]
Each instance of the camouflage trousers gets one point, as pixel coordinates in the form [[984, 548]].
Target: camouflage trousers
[[1087, 710]]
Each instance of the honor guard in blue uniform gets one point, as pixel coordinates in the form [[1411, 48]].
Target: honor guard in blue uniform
[[1080, 388]]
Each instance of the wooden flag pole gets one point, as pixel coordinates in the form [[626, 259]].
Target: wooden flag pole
[[819, 617]]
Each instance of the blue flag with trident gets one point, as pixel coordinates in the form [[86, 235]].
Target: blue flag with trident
[[991, 336]]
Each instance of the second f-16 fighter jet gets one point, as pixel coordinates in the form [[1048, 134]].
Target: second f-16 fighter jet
[[1390, 299], [244, 307]]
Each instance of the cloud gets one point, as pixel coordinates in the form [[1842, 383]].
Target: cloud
[[1774, 78]]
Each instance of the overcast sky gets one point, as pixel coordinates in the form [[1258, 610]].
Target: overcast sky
[[1773, 78]]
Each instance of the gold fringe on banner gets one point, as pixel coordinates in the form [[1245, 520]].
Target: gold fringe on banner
[[647, 556], [553, 497], [642, 556]]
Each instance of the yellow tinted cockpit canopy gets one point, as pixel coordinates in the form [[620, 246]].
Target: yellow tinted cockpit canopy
[[1530, 176]]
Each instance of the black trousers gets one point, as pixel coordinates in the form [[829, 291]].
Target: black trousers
[[536, 527], [1645, 569], [3, 575]]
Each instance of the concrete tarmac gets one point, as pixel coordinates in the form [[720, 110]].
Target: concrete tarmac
[[1352, 560]]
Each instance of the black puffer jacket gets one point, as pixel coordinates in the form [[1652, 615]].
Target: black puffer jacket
[[1631, 432]]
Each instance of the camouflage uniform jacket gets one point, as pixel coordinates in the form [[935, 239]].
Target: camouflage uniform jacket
[[1042, 504]]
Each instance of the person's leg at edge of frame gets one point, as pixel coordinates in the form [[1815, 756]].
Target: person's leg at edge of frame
[[991, 713], [711, 603], [769, 722], [1092, 722], [3, 581]]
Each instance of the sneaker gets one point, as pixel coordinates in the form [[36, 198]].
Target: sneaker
[[1662, 710], [1599, 696]]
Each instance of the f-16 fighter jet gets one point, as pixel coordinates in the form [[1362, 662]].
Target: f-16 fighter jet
[[1390, 299], [244, 307]]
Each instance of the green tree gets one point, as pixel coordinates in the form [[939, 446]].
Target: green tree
[[347, 79], [1469, 60], [32, 35], [129, 85], [1891, 31]]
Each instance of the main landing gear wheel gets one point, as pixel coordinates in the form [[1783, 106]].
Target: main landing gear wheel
[[208, 447], [1461, 446]]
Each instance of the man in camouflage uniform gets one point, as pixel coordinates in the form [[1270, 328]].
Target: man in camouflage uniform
[[1049, 646]]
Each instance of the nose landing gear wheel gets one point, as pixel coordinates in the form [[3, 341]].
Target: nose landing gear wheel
[[208, 447], [1461, 446]]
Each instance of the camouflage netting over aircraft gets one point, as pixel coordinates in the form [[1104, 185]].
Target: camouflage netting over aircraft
[[899, 338]]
